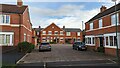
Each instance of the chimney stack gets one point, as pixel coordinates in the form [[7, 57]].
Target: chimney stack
[[39, 26], [19, 3], [103, 8], [63, 27]]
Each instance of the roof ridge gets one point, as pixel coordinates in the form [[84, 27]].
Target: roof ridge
[[14, 5]]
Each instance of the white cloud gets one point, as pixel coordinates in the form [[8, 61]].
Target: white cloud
[[74, 16]]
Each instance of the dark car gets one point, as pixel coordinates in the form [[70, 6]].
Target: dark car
[[45, 46], [79, 46]]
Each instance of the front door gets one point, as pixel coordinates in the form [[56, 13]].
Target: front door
[[100, 41]]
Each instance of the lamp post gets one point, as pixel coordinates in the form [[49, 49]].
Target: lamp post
[[82, 25], [117, 49]]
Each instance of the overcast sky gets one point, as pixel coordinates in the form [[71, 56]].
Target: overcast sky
[[66, 13]]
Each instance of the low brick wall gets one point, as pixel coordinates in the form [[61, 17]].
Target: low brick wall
[[7, 48], [91, 48], [111, 51]]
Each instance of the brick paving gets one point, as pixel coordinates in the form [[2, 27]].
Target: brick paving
[[63, 52]]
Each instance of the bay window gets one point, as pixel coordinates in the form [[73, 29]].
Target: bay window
[[6, 38]]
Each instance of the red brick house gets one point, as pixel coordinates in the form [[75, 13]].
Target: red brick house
[[15, 25], [100, 31], [53, 33]]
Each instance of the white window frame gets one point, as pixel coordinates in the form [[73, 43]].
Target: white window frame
[[55, 33], [25, 38], [87, 40], [78, 33], [111, 34], [100, 23], [11, 38], [114, 15], [38, 33], [3, 22], [49, 32], [61, 32], [68, 33], [43, 32], [91, 25]]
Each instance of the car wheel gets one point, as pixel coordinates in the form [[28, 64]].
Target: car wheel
[[78, 49], [75, 48]]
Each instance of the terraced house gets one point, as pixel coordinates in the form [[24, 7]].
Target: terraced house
[[53, 33], [15, 25], [101, 30]]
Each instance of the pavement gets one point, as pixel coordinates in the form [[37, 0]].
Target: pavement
[[62, 55], [11, 57]]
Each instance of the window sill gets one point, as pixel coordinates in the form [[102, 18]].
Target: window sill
[[90, 44], [4, 23], [6, 44], [110, 46]]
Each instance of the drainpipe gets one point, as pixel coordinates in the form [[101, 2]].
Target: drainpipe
[[19, 27]]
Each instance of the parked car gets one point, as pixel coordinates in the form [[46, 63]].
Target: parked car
[[45, 46], [79, 46]]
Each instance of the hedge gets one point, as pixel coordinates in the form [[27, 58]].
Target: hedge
[[25, 47]]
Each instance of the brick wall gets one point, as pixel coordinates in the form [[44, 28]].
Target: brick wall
[[15, 20]]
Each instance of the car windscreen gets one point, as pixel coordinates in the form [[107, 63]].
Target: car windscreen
[[44, 43], [79, 43]]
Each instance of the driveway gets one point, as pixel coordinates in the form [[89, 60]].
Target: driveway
[[63, 52]]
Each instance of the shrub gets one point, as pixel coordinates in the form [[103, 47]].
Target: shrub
[[25, 47], [52, 42], [31, 47]]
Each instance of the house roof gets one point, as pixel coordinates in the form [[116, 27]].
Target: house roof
[[66, 29], [38, 29], [72, 29], [8, 8], [106, 12]]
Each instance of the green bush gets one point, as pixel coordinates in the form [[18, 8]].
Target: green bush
[[25, 47], [31, 47], [52, 42]]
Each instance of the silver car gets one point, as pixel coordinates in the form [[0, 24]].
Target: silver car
[[45, 46]]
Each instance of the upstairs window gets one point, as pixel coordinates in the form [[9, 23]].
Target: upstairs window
[[56, 32], [78, 33], [68, 33], [113, 19], [61, 32], [100, 23], [91, 26], [4, 19], [50, 32], [37, 33], [44, 32]]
